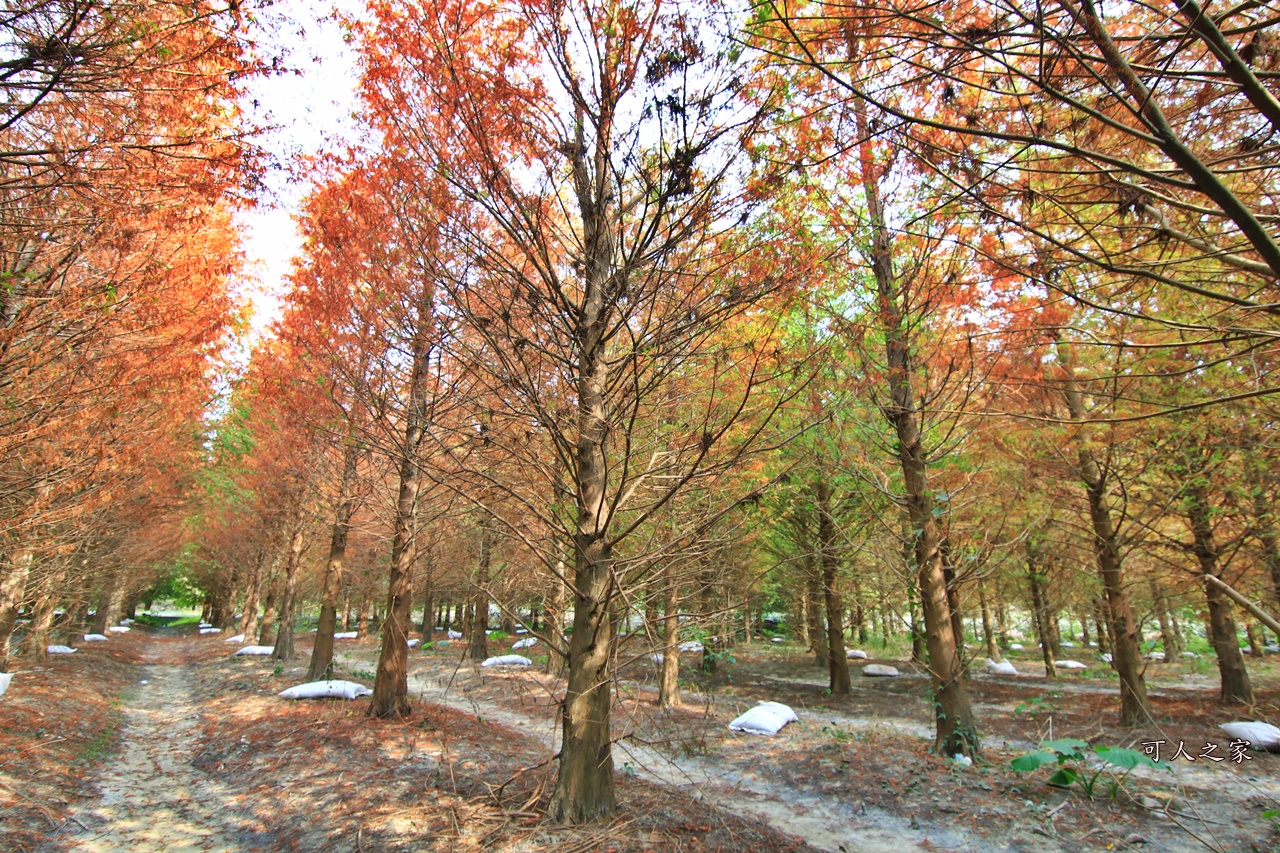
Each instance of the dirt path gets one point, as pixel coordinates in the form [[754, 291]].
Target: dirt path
[[743, 791], [152, 800]]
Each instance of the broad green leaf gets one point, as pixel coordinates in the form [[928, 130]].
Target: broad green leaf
[[1033, 761]]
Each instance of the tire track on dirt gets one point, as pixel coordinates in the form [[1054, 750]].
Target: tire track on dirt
[[151, 798]]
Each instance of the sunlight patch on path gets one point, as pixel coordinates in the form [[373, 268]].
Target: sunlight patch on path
[[152, 800]]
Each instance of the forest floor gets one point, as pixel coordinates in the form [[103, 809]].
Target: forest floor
[[164, 741]]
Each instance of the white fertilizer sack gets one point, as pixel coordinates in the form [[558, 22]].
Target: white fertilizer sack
[[766, 718], [5, 678], [256, 650], [346, 635], [95, 638], [118, 629], [59, 650], [327, 690], [1015, 647], [210, 630], [414, 642], [454, 635], [524, 644], [1260, 735], [857, 654], [999, 667], [234, 638], [1069, 664], [879, 669], [690, 646], [508, 660]]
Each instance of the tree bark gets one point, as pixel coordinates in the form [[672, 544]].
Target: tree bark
[[817, 631], [249, 616], [1123, 628], [988, 628], [669, 683], [391, 683], [953, 714], [12, 590], [284, 633], [1236, 688], [837, 658], [479, 645], [321, 666], [1039, 609]]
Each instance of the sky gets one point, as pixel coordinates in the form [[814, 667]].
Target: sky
[[309, 107]]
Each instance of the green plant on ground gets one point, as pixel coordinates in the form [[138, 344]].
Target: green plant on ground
[[1072, 757], [1035, 706]]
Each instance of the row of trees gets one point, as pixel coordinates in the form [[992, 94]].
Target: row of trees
[[120, 165], [900, 314]]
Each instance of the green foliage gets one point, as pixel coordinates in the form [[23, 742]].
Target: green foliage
[[1036, 706], [152, 621], [1072, 758]]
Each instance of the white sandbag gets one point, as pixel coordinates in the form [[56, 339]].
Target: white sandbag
[[657, 657], [1015, 647], [522, 630], [508, 660], [1190, 655], [96, 638], [59, 650], [690, 646], [205, 625], [326, 690], [524, 644], [1155, 656], [413, 643], [999, 667], [766, 718], [881, 670], [256, 650], [126, 621], [210, 630], [1066, 644], [1106, 657], [234, 638], [5, 678], [857, 654], [1260, 735], [1069, 664], [346, 635], [454, 635], [778, 640], [118, 629]]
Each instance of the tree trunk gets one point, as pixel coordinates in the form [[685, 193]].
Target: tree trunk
[[953, 715], [12, 591], [391, 683], [837, 659], [321, 666], [988, 628], [1236, 688], [36, 643], [669, 684], [249, 618], [1039, 610], [479, 646], [284, 633], [558, 653], [110, 604], [1125, 658], [1168, 639], [817, 631]]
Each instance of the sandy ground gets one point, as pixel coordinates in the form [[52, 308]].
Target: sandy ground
[[151, 798]]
